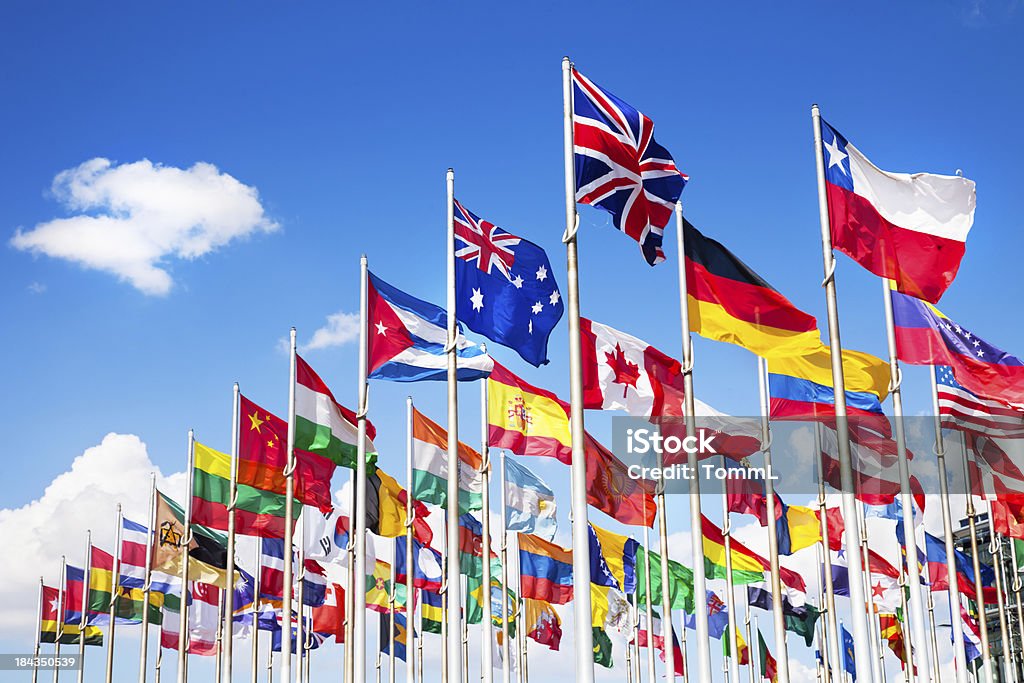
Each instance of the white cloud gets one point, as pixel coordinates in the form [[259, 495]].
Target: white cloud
[[37, 288], [341, 328], [133, 217], [83, 498]]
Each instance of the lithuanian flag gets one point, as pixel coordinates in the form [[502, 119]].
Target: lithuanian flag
[[258, 512], [729, 302]]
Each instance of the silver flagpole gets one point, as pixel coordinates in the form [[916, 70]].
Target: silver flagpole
[[696, 527], [868, 607], [959, 651], [778, 618], [289, 517], [85, 605], [229, 596], [1015, 585], [465, 635], [60, 617], [996, 551], [916, 641], [452, 559], [825, 569], [583, 635], [746, 624], [486, 627], [986, 654], [392, 600], [38, 635], [823, 639], [218, 661], [505, 663], [649, 608], [300, 592], [756, 662], [410, 669], [254, 651], [732, 661], [115, 581], [350, 575], [358, 522], [933, 653], [152, 538], [270, 665], [855, 568], [185, 542]]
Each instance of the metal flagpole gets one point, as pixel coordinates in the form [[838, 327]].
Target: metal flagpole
[[855, 569], [908, 664], [649, 608], [916, 640], [270, 665], [823, 640], [756, 662], [300, 592], [350, 575], [521, 634], [778, 618], [419, 650], [583, 635], [452, 558], [229, 597], [308, 646], [995, 549], [505, 664], [868, 607], [696, 530], [152, 536], [38, 635], [746, 624], [219, 639], [392, 599], [410, 512], [986, 654], [86, 575], [933, 642], [444, 605], [358, 521], [114, 585], [959, 651], [185, 542], [158, 663], [465, 635], [732, 661], [60, 618], [486, 627], [289, 517], [254, 651], [825, 570], [1015, 585]]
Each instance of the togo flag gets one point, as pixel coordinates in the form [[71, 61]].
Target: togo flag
[[322, 425], [529, 502]]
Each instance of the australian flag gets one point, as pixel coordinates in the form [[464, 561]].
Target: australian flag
[[504, 287]]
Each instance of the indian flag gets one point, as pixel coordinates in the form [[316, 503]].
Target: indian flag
[[430, 467], [322, 425]]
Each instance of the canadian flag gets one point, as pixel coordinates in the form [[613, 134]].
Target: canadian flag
[[621, 372]]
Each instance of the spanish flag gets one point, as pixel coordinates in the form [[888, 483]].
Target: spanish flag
[[729, 302], [525, 419]]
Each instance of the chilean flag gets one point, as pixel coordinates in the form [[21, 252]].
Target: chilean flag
[[908, 227]]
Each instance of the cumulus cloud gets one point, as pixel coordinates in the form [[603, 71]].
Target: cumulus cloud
[[341, 328], [37, 288], [131, 219], [117, 470]]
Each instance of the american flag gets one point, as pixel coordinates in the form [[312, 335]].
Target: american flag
[[621, 168], [963, 410]]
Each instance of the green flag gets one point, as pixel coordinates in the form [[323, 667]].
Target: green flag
[[602, 648], [802, 623], [680, 582]]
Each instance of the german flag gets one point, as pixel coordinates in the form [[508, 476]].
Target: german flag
[[729, 302]]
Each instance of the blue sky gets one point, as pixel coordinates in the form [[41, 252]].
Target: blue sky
[[345, 119]]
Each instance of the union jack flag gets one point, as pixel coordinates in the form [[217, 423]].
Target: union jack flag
[[483, 242], [621, 168]]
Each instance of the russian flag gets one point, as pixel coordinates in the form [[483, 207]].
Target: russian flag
[[910, 228], [546, 570]]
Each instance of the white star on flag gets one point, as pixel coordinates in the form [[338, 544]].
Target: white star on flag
[[836, 155], [477, 299], [538, 307], [554, 297], [518, 282], [542, 273], [382, 329]]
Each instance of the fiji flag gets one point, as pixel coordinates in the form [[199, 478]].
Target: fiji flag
[[504, 287]]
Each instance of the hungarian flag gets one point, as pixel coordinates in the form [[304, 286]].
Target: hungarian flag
[[257, 512], [430, 466], [611, 490], [262, 457], [908, 227], [322, 425], [542, 622], [526, 419]]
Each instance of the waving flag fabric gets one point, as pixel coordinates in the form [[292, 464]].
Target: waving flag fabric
[[208, 555], [966, 411], [48, 615], [322, 425], [74, 592], [504, 287], [611, 490], [731, 303], [621, 168], [406, 338], [621, 372], [769, 666], [329, 618], [718, 616], [525, 419], [262, 457], [385, 508], [203, 619], [680, 589], [530, 505], [546, 570], [271, 569], [798, 615], [135, 538], [747, 566], [400, 634], [619, 553], [426, 565], [925, 336], [430, 466], [542, 622], [910, 228], [938, 572], [653, 636], [431, 611]]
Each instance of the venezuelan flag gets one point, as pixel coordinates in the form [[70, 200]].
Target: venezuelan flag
[[546, 570], [525, 419], [729, 302]]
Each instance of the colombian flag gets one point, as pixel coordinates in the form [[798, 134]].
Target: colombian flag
[[546, 570], [525, 419], [729, 302]]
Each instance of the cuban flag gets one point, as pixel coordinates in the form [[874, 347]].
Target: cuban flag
[[908, 227], [407, 338], [504, 287]]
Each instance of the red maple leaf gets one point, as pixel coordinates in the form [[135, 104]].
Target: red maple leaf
[[626, 372]]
